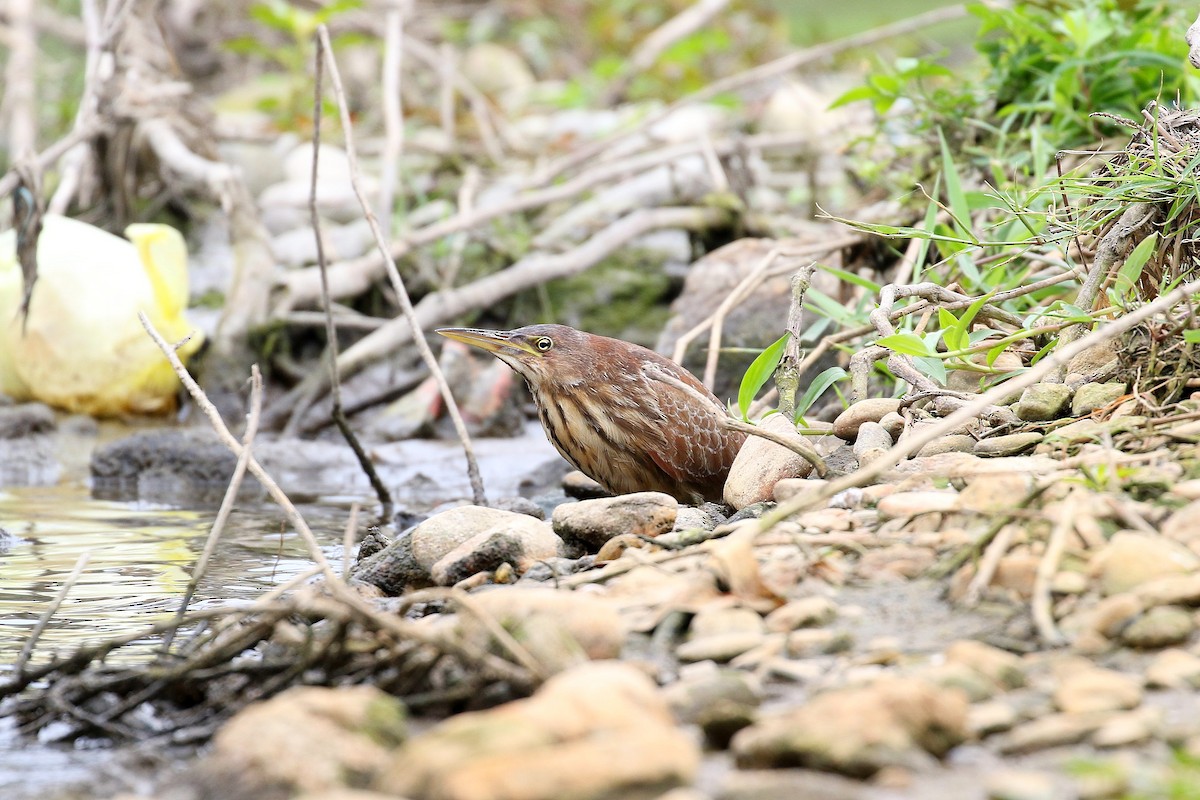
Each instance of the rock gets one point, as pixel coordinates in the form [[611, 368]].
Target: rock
[[298, 248], [1094, 396], [749, 326], [1019, 784], [1069, 582], [335, 196], [1043, 402], [899, 561], [1096, 359], [1171, 590], [715, 620], [518, 540], [1161, 626], [1008, 445], [599, 730], [26, 419], [871, 409], [1094, 689], [181, 467], [806, 612], [911, 504], [808, 642], [1132, 559], [588, 524], [894, 424], [858, 731], [1124, 730], [1050, 730], [1004, 669], [873, 441], [1174, 669], [953, 443], [311, 739], [958, 676], [497, 71], [989, 494], [719, 647], [991, 717], [717, 700], [1112, 614], [560, 629], [690, 518], [791, 784], [441, 533], [1184, 524], [788, 488], [760, 464], [581, 487]]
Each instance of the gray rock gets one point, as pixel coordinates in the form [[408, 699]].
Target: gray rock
[[1019, 784], [517, 540], [803, 613], [760, 464], [26, 419], [871, 409], [791, 784], [1092, 396], [166, 466], [588, 524], [719, 647], [1132, 559], [954, 443], [872, 441], [1090, 689], [859, 731], [1009, 445], [1043, 401], [1174, 669], [1161, 626], [298, 248]]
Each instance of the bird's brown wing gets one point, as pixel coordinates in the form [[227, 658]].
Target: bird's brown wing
[[694, 448]]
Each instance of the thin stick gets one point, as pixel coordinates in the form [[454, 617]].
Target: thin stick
[[335, 381], [44, 619], [787, 375], [394, 274], [348, 540], [1043, 616], [226, 508], [988, 565]]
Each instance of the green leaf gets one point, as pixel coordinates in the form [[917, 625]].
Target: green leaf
[[908, 344], [954, 191], [1131, 271], [973, 310], [1192, 336], [817, 388], [851, 277], [758, 373], [933, 367], [952, 330]]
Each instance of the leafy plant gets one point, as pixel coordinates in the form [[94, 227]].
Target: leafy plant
[[291, 104]]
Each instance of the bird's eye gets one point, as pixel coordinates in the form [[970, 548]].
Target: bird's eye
[[544, 343]]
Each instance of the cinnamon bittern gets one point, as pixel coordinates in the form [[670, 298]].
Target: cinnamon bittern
[[606, 409]]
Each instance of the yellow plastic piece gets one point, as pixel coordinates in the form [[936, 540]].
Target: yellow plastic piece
[[83, 348]]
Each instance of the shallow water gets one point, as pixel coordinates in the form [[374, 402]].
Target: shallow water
[[140, 562], [141, 556]]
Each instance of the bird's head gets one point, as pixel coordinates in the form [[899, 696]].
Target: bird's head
[[538, 353]]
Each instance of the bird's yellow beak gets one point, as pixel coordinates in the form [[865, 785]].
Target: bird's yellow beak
[[491, 341]]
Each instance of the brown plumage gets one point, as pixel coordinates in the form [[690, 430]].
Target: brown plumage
[[606, 413]]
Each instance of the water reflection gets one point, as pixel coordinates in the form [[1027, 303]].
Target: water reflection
[[140, 563]]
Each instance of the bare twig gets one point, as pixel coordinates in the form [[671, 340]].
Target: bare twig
[[46, 615], [787, 376], [397, 283], [988, 565], [227, 502], [1043, 616], [337, 413]]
